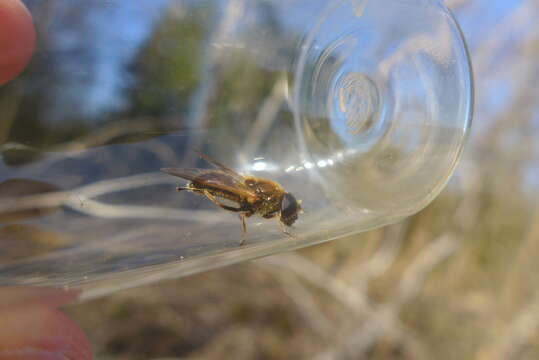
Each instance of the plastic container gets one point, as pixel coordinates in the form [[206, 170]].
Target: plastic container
[[358, 108]]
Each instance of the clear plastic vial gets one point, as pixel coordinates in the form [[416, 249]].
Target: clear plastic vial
[[359, 108]]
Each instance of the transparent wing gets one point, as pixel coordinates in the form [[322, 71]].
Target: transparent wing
[[220, 166]]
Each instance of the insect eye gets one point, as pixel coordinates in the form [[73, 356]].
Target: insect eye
[[289, 209]]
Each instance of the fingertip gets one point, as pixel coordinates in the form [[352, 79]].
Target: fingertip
[[17, 39], [41, 333]]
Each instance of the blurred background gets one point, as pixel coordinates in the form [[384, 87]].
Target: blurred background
[[456, 281]]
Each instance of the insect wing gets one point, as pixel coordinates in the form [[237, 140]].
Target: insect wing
[[220, 166], [187, 174], [213, 179]]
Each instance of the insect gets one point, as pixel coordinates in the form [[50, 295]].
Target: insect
[[252, 195]]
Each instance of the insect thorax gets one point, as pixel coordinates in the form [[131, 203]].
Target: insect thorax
[[270, 196]]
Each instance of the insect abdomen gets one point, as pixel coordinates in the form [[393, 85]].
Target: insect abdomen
[[215, 191]]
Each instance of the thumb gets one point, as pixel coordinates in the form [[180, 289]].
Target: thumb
[[33, 329], [17, 38]]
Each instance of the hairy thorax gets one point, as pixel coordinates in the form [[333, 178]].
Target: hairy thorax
[[270, 194]]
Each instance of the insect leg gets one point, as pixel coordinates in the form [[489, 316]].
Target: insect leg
[[218, 203], [244, 227], [284, 230]]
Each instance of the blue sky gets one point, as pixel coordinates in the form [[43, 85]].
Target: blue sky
[[111, 32]]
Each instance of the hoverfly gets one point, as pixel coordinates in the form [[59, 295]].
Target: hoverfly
[[253, 195]]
